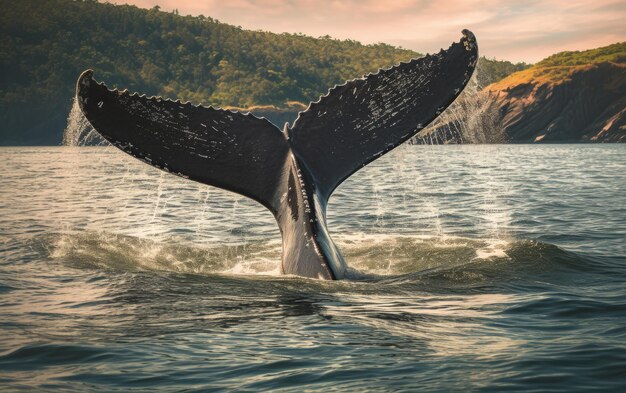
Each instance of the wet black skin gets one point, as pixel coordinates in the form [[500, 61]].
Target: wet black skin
[[291, 172]]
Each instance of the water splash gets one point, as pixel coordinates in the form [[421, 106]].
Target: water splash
[[136, 189], [78, 131], [120, 252], [464, 119], [368, 254], [158, 208], [472, 118]]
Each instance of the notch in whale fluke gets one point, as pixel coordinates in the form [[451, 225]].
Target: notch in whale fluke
[[292, 173]]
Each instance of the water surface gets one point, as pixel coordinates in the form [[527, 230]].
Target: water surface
[[482, 268]]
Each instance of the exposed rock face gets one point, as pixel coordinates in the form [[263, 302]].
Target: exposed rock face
[[563, 104]]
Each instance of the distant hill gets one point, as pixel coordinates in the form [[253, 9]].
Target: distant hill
[[45, 44], [569, 96]]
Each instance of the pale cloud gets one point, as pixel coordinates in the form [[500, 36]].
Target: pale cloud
[[526, 30]]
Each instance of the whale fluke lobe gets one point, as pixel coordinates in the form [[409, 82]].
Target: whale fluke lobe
[[291, 172], [237, 152], [359, 121]]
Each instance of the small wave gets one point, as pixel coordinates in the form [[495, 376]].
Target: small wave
[[36, 357], [394, 255], [120, 252], [369, 256]]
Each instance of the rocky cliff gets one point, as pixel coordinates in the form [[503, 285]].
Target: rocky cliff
[[582, 103]]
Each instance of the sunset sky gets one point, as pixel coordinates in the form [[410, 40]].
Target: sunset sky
[[526, 30]]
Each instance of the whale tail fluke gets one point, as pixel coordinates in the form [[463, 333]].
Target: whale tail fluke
[[230, 150], [361, 120], [292, 173]]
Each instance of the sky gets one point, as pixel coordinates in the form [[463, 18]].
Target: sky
[[513, 30]]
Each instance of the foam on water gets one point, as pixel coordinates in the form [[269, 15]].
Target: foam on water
[[126, 253], [368, 255]]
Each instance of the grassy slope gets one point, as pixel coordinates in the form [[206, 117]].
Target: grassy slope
[[559, 67]]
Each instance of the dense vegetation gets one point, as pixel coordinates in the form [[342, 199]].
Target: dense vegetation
[[615, 53], [492, 70], [45, 44]]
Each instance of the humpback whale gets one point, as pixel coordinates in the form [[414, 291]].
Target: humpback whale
[[292, 172]]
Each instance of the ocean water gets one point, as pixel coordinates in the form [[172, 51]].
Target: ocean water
[[480, 268]]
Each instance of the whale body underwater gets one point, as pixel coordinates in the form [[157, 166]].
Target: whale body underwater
[[292, 172]]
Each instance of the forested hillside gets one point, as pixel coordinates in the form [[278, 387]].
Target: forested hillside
[[45, 44], [615, 53]]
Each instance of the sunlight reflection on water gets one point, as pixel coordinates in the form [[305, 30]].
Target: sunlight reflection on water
[[480, 268]]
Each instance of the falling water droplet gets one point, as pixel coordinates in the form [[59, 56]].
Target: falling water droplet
[[78, 131], [472, 118]]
